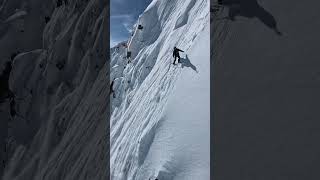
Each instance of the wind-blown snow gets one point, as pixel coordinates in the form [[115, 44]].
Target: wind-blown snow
[[160, 113]]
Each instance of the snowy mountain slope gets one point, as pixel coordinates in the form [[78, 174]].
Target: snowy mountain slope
[[61, 92], [160, 112]]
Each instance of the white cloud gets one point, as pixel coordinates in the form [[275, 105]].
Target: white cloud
[[121, 16], [127, 20]]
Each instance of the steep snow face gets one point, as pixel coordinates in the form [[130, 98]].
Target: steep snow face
[[160, 112], [61, 92]]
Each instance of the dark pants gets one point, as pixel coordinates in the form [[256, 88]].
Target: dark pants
[[175, 58]]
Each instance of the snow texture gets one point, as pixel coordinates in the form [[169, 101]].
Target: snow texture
[[160, 117], [59, 70]]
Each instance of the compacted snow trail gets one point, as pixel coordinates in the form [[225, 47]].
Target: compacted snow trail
[[161, 110]]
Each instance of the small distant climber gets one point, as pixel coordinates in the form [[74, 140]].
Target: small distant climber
[[129, 56], [140, 27], [176, 54], [111, 89]]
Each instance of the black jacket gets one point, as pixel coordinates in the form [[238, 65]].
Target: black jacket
[[176, 52]]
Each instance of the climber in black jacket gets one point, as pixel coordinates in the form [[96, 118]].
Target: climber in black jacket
[[176, 54]]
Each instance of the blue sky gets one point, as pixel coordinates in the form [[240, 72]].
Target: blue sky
[[123, 14]]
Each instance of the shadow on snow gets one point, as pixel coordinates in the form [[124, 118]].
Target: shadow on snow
[[250, 9], [185, 62]]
